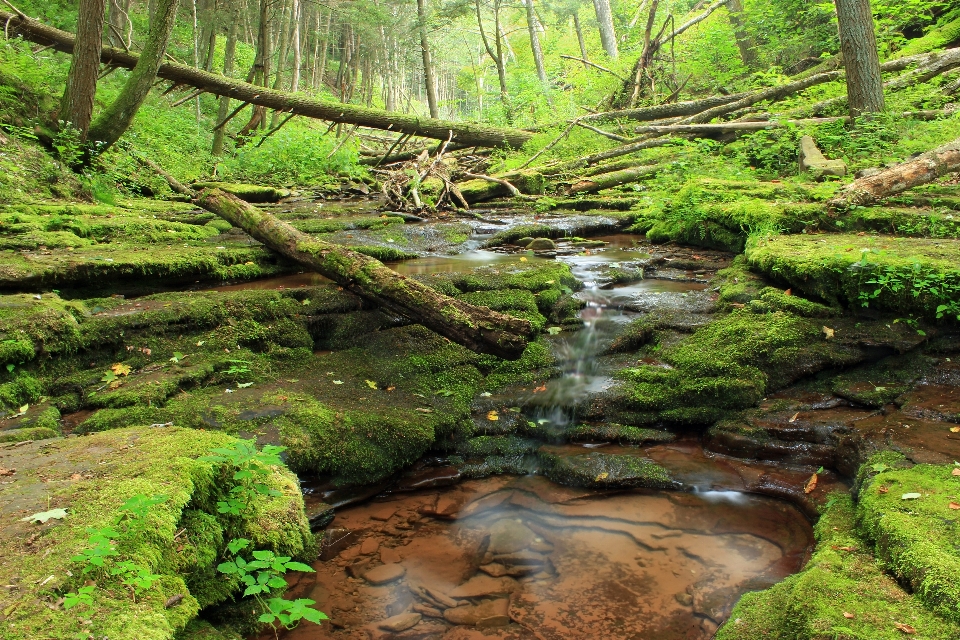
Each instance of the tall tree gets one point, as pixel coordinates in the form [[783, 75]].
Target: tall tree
[[77, 104], [229, 54], [608, 35], [745, 44], [858, 43], [496, 54], [534, 41], [116, 118], [583, 46], [428, 76]]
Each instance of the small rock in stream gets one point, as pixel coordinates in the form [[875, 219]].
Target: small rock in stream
[[384, 574], [509, 536], [400, 622], [471, 614], [483, 586]]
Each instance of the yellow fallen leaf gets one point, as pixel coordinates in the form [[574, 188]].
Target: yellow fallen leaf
[[955, 472], [848, 616], [493, 416], [954, 429], [904, 627], [523, 259], [794, 418], [788, 292], [371, 384], [954, 505], [811, 484], [602, 476], [121, 369], [828, 332]]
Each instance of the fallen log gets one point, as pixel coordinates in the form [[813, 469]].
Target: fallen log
[[921, 170], [526, 181], [472, 134], [611, 179], [477, 328], [661, 111]]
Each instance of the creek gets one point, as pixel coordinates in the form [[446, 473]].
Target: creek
[[438, 555]]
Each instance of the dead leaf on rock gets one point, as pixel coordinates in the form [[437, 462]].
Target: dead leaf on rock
[[794, 417], [954, 429], [811, 484], [954, 505], [848, 615], [7, 472], [493, 416], [788, 292], [955, 472], [883, 490], [904, 627], [120, 369], [828, 332]]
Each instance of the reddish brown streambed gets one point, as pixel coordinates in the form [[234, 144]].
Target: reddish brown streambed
[[521, 557]]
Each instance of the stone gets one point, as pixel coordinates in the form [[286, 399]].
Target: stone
[[483, 586], [369, 547], [400, 622], [684, 598], [812, 160], [449, 506], [542, 244], [493, 621], [471, 614], [349, 554], [357, 569], [384, 513], [384, 574], [522, 242], [509, 536], [388, 555], [426, 610]]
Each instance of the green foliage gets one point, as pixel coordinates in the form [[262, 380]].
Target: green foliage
[[772, 152]]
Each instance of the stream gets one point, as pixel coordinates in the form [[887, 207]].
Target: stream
[[435, 556]]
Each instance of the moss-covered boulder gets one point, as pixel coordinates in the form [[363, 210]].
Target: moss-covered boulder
[[843, 592], [151, 493], [907, 275], [598, 470]]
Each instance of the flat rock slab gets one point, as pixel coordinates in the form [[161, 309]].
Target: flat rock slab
[[484, 586], [509, 536], [384, 574], [400, 622], [471, 614]]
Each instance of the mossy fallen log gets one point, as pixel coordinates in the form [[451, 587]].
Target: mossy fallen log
[[477, 328], [611, 179]]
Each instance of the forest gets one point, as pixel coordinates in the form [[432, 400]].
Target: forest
[[479, 319]]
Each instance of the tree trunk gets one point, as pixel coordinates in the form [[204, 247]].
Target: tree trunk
[[115, 119], [229, 54], [429, 81], [748, 53], [477, 328], [77, 104], [611, 179], [467, 133], [120, 28], [922, 170], [297, 8], [583, 46], [607, 34], [858, 43], [534, 42]]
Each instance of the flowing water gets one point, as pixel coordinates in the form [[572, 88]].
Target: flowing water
[[521, 557]]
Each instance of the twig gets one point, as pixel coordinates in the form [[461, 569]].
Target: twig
[[551, 145], [396, 143], [230, 117], [594, 65], [342, 142], [275, 129], [187, 99], [175, 184], [16, 11], [607, 134], [122, 41], [512, 189]]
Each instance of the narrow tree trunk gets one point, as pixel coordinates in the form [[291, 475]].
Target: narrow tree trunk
[[120, 27], [115, 119], [745, 44], [295, 45], [922, 170], [477, 328], [534, 42], [429, 80], [607, 34], [858, 43], [77, 104], [228, 57], [583, 46]]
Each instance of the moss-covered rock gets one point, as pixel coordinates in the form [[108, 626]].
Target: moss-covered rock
[[92, 478], [905, 275], [599, 470], [842, 592]]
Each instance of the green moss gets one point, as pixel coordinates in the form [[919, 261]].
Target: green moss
[[248, 192], [737, 283], [905, 222], [603, 470], [112, 467], [841, 577], [916, 538], [906, 275], [510, 446], [623, 434], [28, 433]]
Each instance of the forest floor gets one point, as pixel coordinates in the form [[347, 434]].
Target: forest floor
[[812, 354]]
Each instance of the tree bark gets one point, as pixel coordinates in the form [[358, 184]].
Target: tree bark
[[858, 43], [611, 179], [295, 44], [583, 46], [534, 42], [477, 328], [115, 119], [608, 36], [745, 44], [471, 134], [428, 79], [77, 104], [229, 54], [922, 170]]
